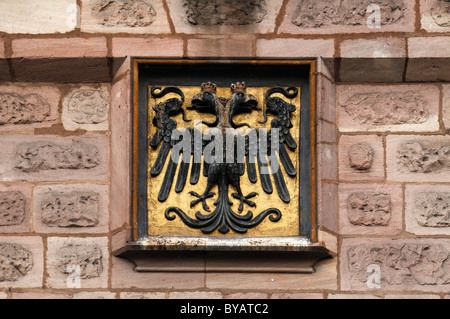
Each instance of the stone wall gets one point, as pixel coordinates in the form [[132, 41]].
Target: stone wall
[[383, 152]]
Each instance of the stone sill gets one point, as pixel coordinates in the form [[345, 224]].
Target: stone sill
[[230, 255]]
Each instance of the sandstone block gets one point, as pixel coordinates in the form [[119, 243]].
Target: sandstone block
[[361, 157], [418, 158], [4, 71], [85, 259], [137, 295], [435, 15], [326, 99], [403, 265], [74, 208], [123, 276], [297, 296], [412, 297], [224, 16], [428, 209], [28, 106], [195, 295], [310, 17], [50, 158], [370, 209], [327, 207], [217, 47], [327, 162], [147, 47], [325, 277], [120, 142], [131, 16], [428, 58], [31, 17], [60, 48], [298, 48], [21, 262], [446, 107], [39, 295], [15, 201], [94, 295], [2, 49], [86, 108], [388, 108]]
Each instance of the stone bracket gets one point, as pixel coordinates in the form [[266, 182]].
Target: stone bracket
[[221, 259]]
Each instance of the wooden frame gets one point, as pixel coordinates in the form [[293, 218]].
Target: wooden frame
[[308, 224]]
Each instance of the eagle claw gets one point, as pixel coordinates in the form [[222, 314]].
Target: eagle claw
[[201, 199], [245, 199]]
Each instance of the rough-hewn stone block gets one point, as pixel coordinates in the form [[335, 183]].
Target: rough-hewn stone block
[[388, 108], [50, 158], [435, 15], [131, 16], [15, 201], [21, 262], [348, 16], [361, 157], [81, 208], [418, 158], [86, 108], [28, 106], [298, 48], [370, 209], [147, 47], [446, 106], [404, 265], [219, 16], [428, 209], [85, 258], [28, 16]]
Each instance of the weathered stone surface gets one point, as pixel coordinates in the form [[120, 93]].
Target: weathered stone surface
[[423, 157], [28, 16], [217, 16], [86, 108], [388, 108], [369, 209], [361, 156], [217, 46], [128, 16], [27, 107], [435, 15], [94, 295], [130, 13], [15, 262], [311, 14], [413, 158], [70, 210], [137, 295], [404, 264], [228, 12], [16, 109], [21, 262], [433, 209], [50, 158], [427, 209], [337, 16], [88, 255], [294, 48], [12, 208], [36, 157], [88, 258], [75, 208]]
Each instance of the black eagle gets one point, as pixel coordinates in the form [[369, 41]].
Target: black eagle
[[223, 171]]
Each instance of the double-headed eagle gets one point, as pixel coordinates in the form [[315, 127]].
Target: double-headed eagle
[[224, 163]]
